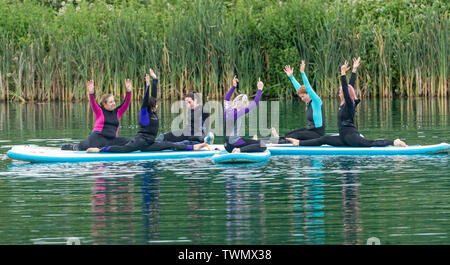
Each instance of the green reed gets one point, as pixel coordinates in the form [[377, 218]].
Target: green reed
[[49, 55]]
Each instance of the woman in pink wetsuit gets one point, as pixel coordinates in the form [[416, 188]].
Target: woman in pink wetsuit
[[107, 117]]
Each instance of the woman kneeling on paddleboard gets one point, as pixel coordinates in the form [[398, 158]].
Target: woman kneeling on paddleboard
[[348, 134], [149, 125], [107, 117], [233, 113]]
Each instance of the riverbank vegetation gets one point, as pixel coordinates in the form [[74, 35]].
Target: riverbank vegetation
[[49, 49]]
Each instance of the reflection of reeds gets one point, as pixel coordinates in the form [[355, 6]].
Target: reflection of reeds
[[201, 44]]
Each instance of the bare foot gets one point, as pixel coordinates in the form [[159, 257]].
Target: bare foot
[[93, 150], [398, 142], [236, 150], [197, 147], [274, 133], [210, 138], [255, 137], [293, 141]]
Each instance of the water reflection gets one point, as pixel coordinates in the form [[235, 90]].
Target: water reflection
[[308, 203], [150, 203], [352, 224], [112, 208], [245, 210]]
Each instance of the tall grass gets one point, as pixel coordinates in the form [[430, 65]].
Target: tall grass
[[48, 53]]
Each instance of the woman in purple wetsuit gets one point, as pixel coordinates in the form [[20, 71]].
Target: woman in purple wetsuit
[[107, 117], [233, 113]]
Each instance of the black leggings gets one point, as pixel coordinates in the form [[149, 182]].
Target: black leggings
[[348, 136], [351, 137], [171, 137], [299, 134], [99, 141], [146, 145], [329, 140], [246, 145]]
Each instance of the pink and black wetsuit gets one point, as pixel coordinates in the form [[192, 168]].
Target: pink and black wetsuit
[[107, 122], [106, 125]]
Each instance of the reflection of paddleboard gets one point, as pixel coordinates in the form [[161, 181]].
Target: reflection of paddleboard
[[228, 158], [52, 154], [287, 149]]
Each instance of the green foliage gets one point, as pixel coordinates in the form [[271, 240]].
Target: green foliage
[[48, 49]]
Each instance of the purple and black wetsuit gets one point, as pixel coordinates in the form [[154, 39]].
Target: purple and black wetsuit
[[106, 126], [148, 129], [233, 123]]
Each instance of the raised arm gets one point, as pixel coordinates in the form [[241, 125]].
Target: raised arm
[[344, 69], [314, 97], [247, 109], [290, 73], [312, 94], [126, 103], [154, 83], [94, 105], [356, 62], [231, 91], [144, 116]]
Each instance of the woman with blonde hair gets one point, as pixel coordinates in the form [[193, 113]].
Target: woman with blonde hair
[[233, 113]]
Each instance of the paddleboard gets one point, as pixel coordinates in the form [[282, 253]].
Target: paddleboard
[[224, 157], [288, 149], [52, 154]]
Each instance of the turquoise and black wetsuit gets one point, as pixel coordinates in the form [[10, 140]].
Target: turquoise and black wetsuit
[[148, 129], [348, 134], [314, 114]]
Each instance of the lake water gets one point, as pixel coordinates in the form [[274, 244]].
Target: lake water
[[288, 200]]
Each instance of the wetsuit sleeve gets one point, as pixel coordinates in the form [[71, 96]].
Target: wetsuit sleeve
[[352, 79], [296, 84], [229, 94], [94, 105], [245, 110], [144, 117], [124, 106], [348, 99], [154, 87], [310, 91], [227, 110], [316, 102]]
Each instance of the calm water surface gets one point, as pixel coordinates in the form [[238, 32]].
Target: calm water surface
[[288, 200]]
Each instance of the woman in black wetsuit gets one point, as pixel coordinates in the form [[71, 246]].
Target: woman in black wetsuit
[[149, 125], [196, 129], [348, 134]]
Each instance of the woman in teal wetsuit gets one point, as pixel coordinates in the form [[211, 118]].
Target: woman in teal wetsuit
[[314, 111]]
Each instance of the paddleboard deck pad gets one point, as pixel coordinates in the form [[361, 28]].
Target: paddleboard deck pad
[[224, 157]]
